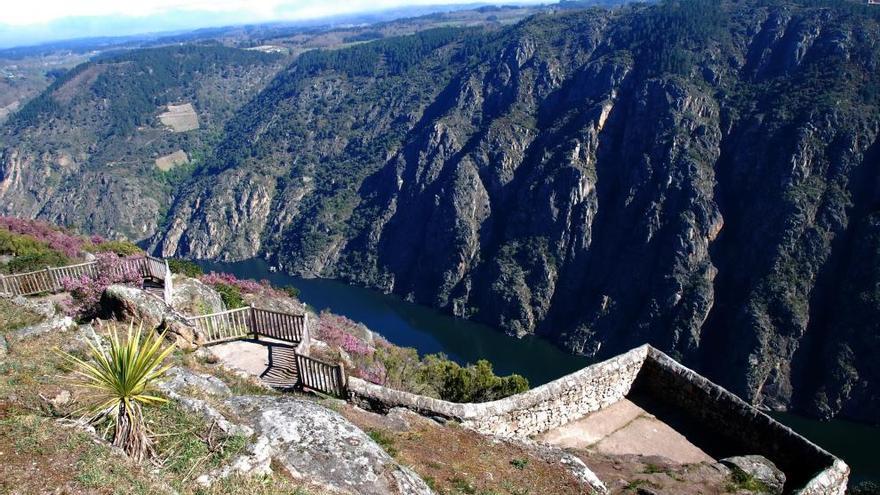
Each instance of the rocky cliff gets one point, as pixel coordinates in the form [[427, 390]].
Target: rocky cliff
[[698, 175], [88, 151]]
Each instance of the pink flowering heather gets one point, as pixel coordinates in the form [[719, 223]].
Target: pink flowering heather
[[337, 331], [375, 374], [68, 244], [86, 289]]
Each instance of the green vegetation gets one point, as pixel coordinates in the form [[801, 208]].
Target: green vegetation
[[519, 463], [231, 295], [122, 248], [438, 376], [120, 379], [473, 383], [13, 316], [30, 254], [185, 267], [291, 291], [384, 441], [740, 480], [140, 87], [191, 446]]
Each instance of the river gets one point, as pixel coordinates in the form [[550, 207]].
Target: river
[[430, 331]]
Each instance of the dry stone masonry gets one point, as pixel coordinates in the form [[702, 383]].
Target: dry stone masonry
[[809, 469]]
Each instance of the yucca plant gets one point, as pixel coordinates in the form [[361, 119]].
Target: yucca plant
[[121, 378]]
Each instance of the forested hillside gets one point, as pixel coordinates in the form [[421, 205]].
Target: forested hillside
[[696, 174], [83, 153]]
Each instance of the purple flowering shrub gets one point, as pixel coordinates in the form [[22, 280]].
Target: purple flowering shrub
[[64, 242], [338, 332], [245, 286], [86, 289]]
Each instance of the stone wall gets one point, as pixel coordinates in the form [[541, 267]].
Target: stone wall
[[644, 370], [537, 410], [742, 426]]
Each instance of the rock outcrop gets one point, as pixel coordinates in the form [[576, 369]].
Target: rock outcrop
[[307, 441], [695, 175], [192, 297], [134, 305], [316, 444], [760, 469]]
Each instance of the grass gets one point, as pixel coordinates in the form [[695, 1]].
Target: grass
[[13, 317], [187, 446], [740, 480], [384, 441], [37, 451], [455, 461]]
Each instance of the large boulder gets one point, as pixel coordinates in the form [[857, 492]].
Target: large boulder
[[58, 323], [760, 469], [283, 304], [192, 297], [126, 303], [318, 445]]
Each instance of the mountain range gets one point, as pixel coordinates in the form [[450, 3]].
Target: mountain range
[[695, 174]]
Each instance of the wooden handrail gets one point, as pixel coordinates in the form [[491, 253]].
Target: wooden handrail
[[320, 375], [49, 280]]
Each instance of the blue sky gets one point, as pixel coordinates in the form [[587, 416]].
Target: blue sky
[[31, 21]]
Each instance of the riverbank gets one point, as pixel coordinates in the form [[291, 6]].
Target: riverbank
[[429, 331]]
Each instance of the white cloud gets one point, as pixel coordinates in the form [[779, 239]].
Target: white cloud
[[35, 12]]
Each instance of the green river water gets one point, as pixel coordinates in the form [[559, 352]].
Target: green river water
[[430, 331]]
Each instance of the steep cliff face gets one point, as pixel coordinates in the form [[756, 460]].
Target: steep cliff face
[[85, 152], [697, 175]]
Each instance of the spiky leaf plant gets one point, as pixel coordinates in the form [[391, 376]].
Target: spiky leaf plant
[[121, 378]]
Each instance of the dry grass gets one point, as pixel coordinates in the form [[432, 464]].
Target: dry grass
[[39, 453], [13, 317], [454, 461]]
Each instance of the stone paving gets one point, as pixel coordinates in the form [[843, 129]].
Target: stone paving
[[270, 360], [625, 428]]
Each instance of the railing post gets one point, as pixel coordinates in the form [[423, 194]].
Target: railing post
[[306, 340], [299, 371], [343, 386], [167, 285], [252, 322], [5, 285]]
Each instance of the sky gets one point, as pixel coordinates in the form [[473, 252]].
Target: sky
[[32, 21]]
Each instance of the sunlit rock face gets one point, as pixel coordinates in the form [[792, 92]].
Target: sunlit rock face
[[699, 179]]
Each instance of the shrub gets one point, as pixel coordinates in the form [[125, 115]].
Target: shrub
[[86, 289], [69, 245], [225, 281], [473, 383], [230, 294], [185, 267], [291, 291], [120, 380], [30, 254], [36, 261], [121, 248]]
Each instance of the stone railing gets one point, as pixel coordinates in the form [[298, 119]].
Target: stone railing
[[736, 422], [643, 370], [537, 410]]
